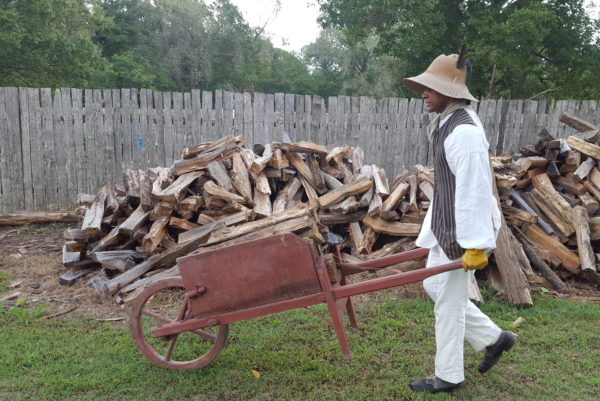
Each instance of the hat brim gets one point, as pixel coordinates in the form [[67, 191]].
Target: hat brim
[[439, 84]]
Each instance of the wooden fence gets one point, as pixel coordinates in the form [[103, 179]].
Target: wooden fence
[[56, 145]]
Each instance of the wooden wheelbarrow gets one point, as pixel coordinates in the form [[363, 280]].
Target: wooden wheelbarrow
[[183, 323]]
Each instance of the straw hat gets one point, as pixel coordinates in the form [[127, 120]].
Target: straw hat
[[444, 76]]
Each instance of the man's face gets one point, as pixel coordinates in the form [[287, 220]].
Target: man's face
[[436, 102]]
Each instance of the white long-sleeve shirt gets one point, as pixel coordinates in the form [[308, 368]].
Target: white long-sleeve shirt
[[476, 212]]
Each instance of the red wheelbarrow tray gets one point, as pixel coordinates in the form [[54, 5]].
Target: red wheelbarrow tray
[[258, 278]]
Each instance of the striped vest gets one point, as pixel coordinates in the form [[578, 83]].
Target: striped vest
[[443, 223]]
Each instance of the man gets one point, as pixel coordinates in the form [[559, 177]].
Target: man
[[462, 222]]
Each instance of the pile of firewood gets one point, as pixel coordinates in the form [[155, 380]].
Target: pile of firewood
[[221, 193], [550, 196]]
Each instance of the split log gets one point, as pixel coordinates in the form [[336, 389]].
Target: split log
[[259, 164], [584, 169], [219, 173], [137, 219], [381, 182], [213, 189], [576, 123], [201, 161], [330, 219], [166, 259], [300, 147], [396, 229], [584, 147], [92, 220], [26, 217], [301, 167], [206, 147], [337, 195], [513, 277], [569, 259], [225, 221], [157, 233], [396, 196], [240, 178], [586, 253], [174, 192]]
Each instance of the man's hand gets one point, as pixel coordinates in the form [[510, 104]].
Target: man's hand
[[474, 259]]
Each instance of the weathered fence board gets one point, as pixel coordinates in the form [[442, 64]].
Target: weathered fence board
[[54, 145]]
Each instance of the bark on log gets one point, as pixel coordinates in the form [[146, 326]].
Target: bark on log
[[26, 217]]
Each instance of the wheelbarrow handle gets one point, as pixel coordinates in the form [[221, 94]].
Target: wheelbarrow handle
[[393, 280]]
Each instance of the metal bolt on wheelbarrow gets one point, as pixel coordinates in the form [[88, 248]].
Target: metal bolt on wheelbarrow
[[183, 323]]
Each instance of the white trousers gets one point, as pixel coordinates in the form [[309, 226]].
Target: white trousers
[[456, 318]]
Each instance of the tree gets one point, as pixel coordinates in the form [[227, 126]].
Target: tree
[[49, 42], [519, 48]]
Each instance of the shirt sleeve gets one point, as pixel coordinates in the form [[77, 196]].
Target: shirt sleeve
[[475, 205]]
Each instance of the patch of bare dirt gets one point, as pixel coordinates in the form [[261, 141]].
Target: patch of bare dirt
[[32, 258]]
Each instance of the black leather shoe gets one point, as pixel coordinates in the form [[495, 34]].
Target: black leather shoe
[[433, 384], [494, 351]]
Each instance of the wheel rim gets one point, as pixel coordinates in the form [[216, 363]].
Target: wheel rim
[[165, 302]]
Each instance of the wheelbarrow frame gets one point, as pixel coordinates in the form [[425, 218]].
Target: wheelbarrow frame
[[200, 283]]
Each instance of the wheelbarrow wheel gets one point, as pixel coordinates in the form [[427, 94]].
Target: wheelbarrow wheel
[[165, 302]]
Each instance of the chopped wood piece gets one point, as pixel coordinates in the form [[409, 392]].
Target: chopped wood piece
[[135, 220], [74, 234], [369, 238], [584, 168], [542, 267], [358, 160], [215, 190], [240, 178], [427, 188], [300, 147], [522, 203], [396, 196], [381, 182], [337, 195], [586, 253], [569, 184], [424, 173], [92, 220], [568, 258], [575, 122], [343, 152], [174, 192], [70, 258], [278, 160], [202, 160], [375, 205], [514, 213], [182, 224], [225, 221], [349, 205], [396, 229], [31, 217], [356, 234], [329, 219], [534, 161], [205, 147], [584, 147], [219, 173], [301, 167], [156, 234], [259, 164]]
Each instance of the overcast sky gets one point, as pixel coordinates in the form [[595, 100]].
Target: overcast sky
[[296, 21]]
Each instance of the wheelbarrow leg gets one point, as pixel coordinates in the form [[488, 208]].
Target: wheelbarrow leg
[[349, 306], [336, 316]]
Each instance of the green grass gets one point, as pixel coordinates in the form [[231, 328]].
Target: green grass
[[40, 228], [557, 357]]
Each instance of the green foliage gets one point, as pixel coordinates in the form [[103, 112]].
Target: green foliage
[[49, 42], [518, 48], [298, 358], [22, 312]]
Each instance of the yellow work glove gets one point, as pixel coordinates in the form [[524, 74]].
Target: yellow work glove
[[474, 259]]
